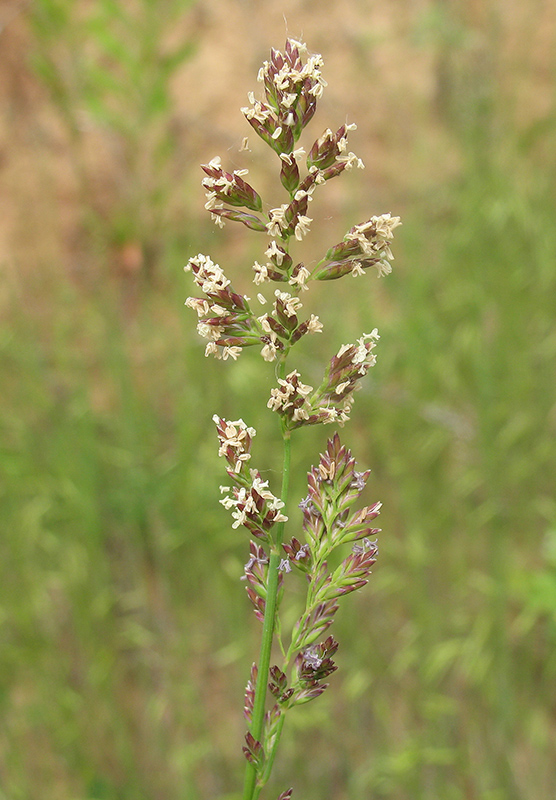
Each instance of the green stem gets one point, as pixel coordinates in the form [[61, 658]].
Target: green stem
[[250, 791]]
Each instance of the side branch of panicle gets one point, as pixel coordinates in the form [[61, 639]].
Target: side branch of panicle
[[366, 245], [298, 404]]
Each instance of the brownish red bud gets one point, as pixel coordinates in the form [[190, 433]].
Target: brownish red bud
[[308, 692], [331, 271], [250, 693], [325, 150], [278, 682], [249, 220], [346, 249], [229, 188], [229, 299], [278, 329], [298, 554], [320, 619], [282, 140], [253, 751], [289, 173], [334, 170], [315, 662], [300, 331], [258, 603], [296, 208], [357, 584], [287, 319], [261, 128], [354, 571], [365, 515], [306, 108], [279, 277], [270, 88], [278, 256], [291, 91], [364, 245]]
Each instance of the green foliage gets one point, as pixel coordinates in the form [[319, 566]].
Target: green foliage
[[108, 66]]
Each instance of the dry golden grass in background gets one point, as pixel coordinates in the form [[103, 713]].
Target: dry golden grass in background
[[388, 68]]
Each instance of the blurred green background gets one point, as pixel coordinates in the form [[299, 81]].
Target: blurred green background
[[126, 637]]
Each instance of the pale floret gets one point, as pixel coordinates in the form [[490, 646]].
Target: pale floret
[[235, 431], [384, 268], [199, 305], [295, 155], [261, 273], [257, 110], [212, 332], [291, 304], [261, 488], [232, 352], [247, 499], [350, 160], [218, 220], [330, 415], [208, 276], [274, 227], [264, 323], [343, 349], [301, 194], [302, 226], [270, 350], [213, 202], [301, 46], [314, 325], [385, 225], [373, 238], [273, 251], [300, 278], [289, 389], [236, 435]]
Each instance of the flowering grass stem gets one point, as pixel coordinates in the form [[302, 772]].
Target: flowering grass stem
[[227, 321]]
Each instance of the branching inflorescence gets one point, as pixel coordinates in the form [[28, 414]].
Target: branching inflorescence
[[228, 322]]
